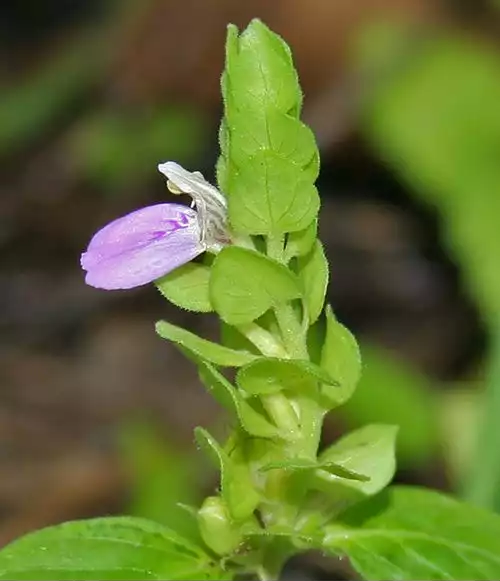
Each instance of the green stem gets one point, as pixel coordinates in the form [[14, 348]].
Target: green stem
[[291, 332], [275, 247], [482, 485], [311, 423], [274, 558], [281, 411], [265, 342]]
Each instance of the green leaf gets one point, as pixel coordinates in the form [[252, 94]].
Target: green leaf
[[269, 375], [260, 67], [276, 132], [270, 196], [408, 533], [314, 272], [245, 284], [445, 148], [369, 451], [296, 464], [228, 396], [202, 348], [187, 287], [105, 548], [301, 242], [413, 406], [236, 483], [340, 357]]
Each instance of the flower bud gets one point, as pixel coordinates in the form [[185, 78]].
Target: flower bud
[[216, 527]]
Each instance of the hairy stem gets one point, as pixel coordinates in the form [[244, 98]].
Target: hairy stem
[[291, 331], [265, 341]]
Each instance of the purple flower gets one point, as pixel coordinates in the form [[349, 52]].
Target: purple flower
[[142, 246], [151, 242]]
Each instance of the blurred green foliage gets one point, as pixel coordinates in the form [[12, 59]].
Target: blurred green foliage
[[391, 392], [113, 149], [437, 122], [164, 480], [38, 101], [434, 115]]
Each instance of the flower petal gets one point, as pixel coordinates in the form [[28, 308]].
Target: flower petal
[[210, 203], [191, 183], [142, 246]]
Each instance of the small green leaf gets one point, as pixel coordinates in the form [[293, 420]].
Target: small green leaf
[[314, 272], [202, 348], [187, 287], [270, 196], [301, 242], [369, 451], [409, 533], [118, 548], [296, 464], [342, 472], [228, 396], [236, 483], [340, 357], [211, 447], [269, 375], [245, 284], [277, 133], [260, 67]]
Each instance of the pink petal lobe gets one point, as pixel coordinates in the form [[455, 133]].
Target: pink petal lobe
[[142, 246]]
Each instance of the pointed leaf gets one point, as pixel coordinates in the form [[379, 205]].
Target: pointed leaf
[[296, 464], [301, 241], [313, 272], [236, 484], [202, 348], [340, 357], [369, 451], [270, 375], [259, 64], [227, 395]]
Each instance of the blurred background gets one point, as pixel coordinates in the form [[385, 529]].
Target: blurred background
[[96, 412]]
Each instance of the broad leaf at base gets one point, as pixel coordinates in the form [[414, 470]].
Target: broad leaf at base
[[118, 548], [408, 533]]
